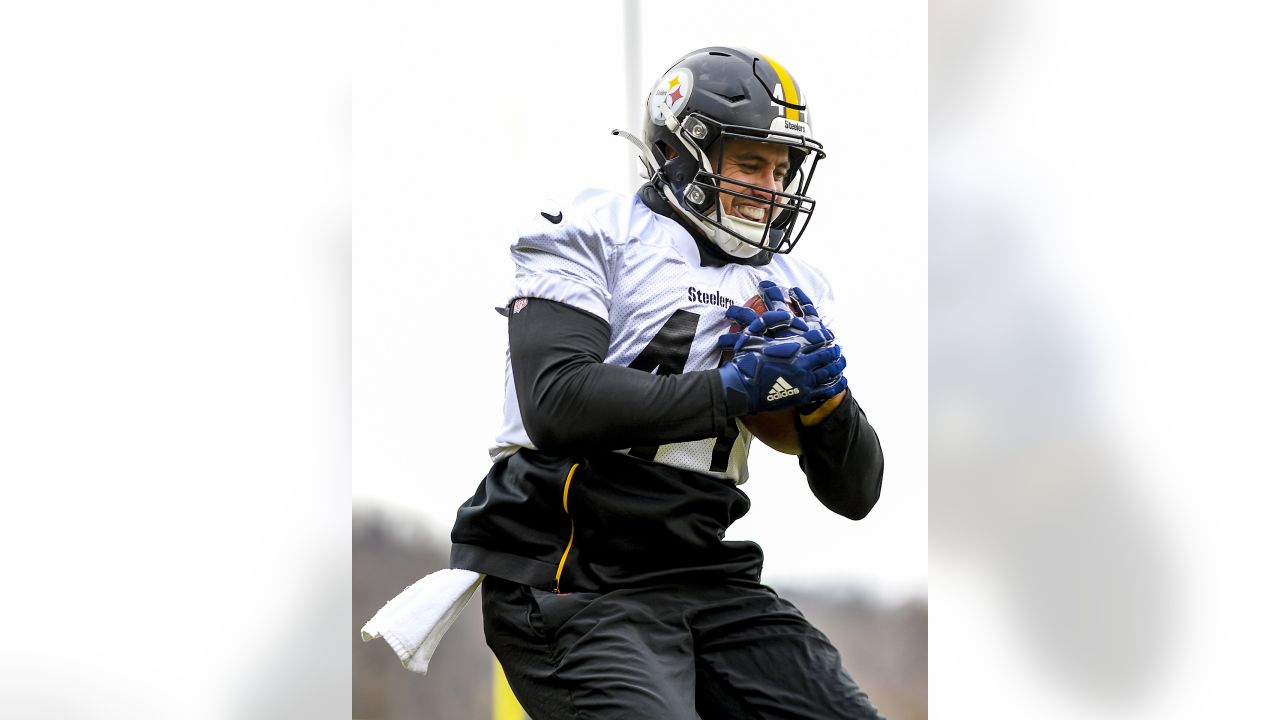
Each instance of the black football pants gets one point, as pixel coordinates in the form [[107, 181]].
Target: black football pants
[[733, 651]]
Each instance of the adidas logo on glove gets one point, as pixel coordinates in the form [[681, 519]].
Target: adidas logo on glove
[[780, 389]]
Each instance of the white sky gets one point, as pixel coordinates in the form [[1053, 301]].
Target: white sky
[[457, 131]]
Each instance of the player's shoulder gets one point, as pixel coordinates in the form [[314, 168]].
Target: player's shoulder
[[621, 218], [590, 213]]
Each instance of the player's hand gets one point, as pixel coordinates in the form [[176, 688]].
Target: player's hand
[[816, 411], [809, 313], [777, 320], [773, 372]]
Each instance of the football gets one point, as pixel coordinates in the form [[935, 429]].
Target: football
[[776, 429]]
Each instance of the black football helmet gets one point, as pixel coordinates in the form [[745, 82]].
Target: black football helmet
[[717, 94]]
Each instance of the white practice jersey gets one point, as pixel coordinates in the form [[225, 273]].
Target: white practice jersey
[[613, 257]]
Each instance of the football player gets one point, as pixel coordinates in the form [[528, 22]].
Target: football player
[[609, 589]]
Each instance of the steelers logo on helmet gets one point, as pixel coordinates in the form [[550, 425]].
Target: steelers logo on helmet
[[672, 92]]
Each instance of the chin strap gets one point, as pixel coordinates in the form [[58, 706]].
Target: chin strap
[[734, 245], [723, 240]]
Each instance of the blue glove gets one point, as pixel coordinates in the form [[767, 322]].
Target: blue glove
[[778, 321], [779, 375], [815, 324], [780, 360]]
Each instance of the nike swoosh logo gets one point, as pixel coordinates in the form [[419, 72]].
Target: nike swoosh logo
[[554, 218]]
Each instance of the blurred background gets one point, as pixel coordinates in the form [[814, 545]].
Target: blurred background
[[175, 253], [1101, 358], [457, 138]]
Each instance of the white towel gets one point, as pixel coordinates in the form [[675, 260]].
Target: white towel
[[413, 622]]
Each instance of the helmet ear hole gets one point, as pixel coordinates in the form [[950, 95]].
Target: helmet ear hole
[[668, 152], [794, 180], [680, 169], [797, 158]]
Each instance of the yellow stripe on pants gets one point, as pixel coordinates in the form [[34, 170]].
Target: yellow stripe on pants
[[505, 705]]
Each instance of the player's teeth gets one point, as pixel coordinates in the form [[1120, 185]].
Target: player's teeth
[[754, 213]]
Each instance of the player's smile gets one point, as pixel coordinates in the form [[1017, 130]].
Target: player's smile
[[747, 210]]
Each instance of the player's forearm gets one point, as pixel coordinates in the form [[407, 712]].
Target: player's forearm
[[843, 461], [571, 401]]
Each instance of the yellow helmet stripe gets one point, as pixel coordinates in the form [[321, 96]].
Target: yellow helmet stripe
[[788, 88]]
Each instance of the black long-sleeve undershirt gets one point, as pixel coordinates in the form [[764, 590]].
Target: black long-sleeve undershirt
[[571, 401], [843, 461]]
